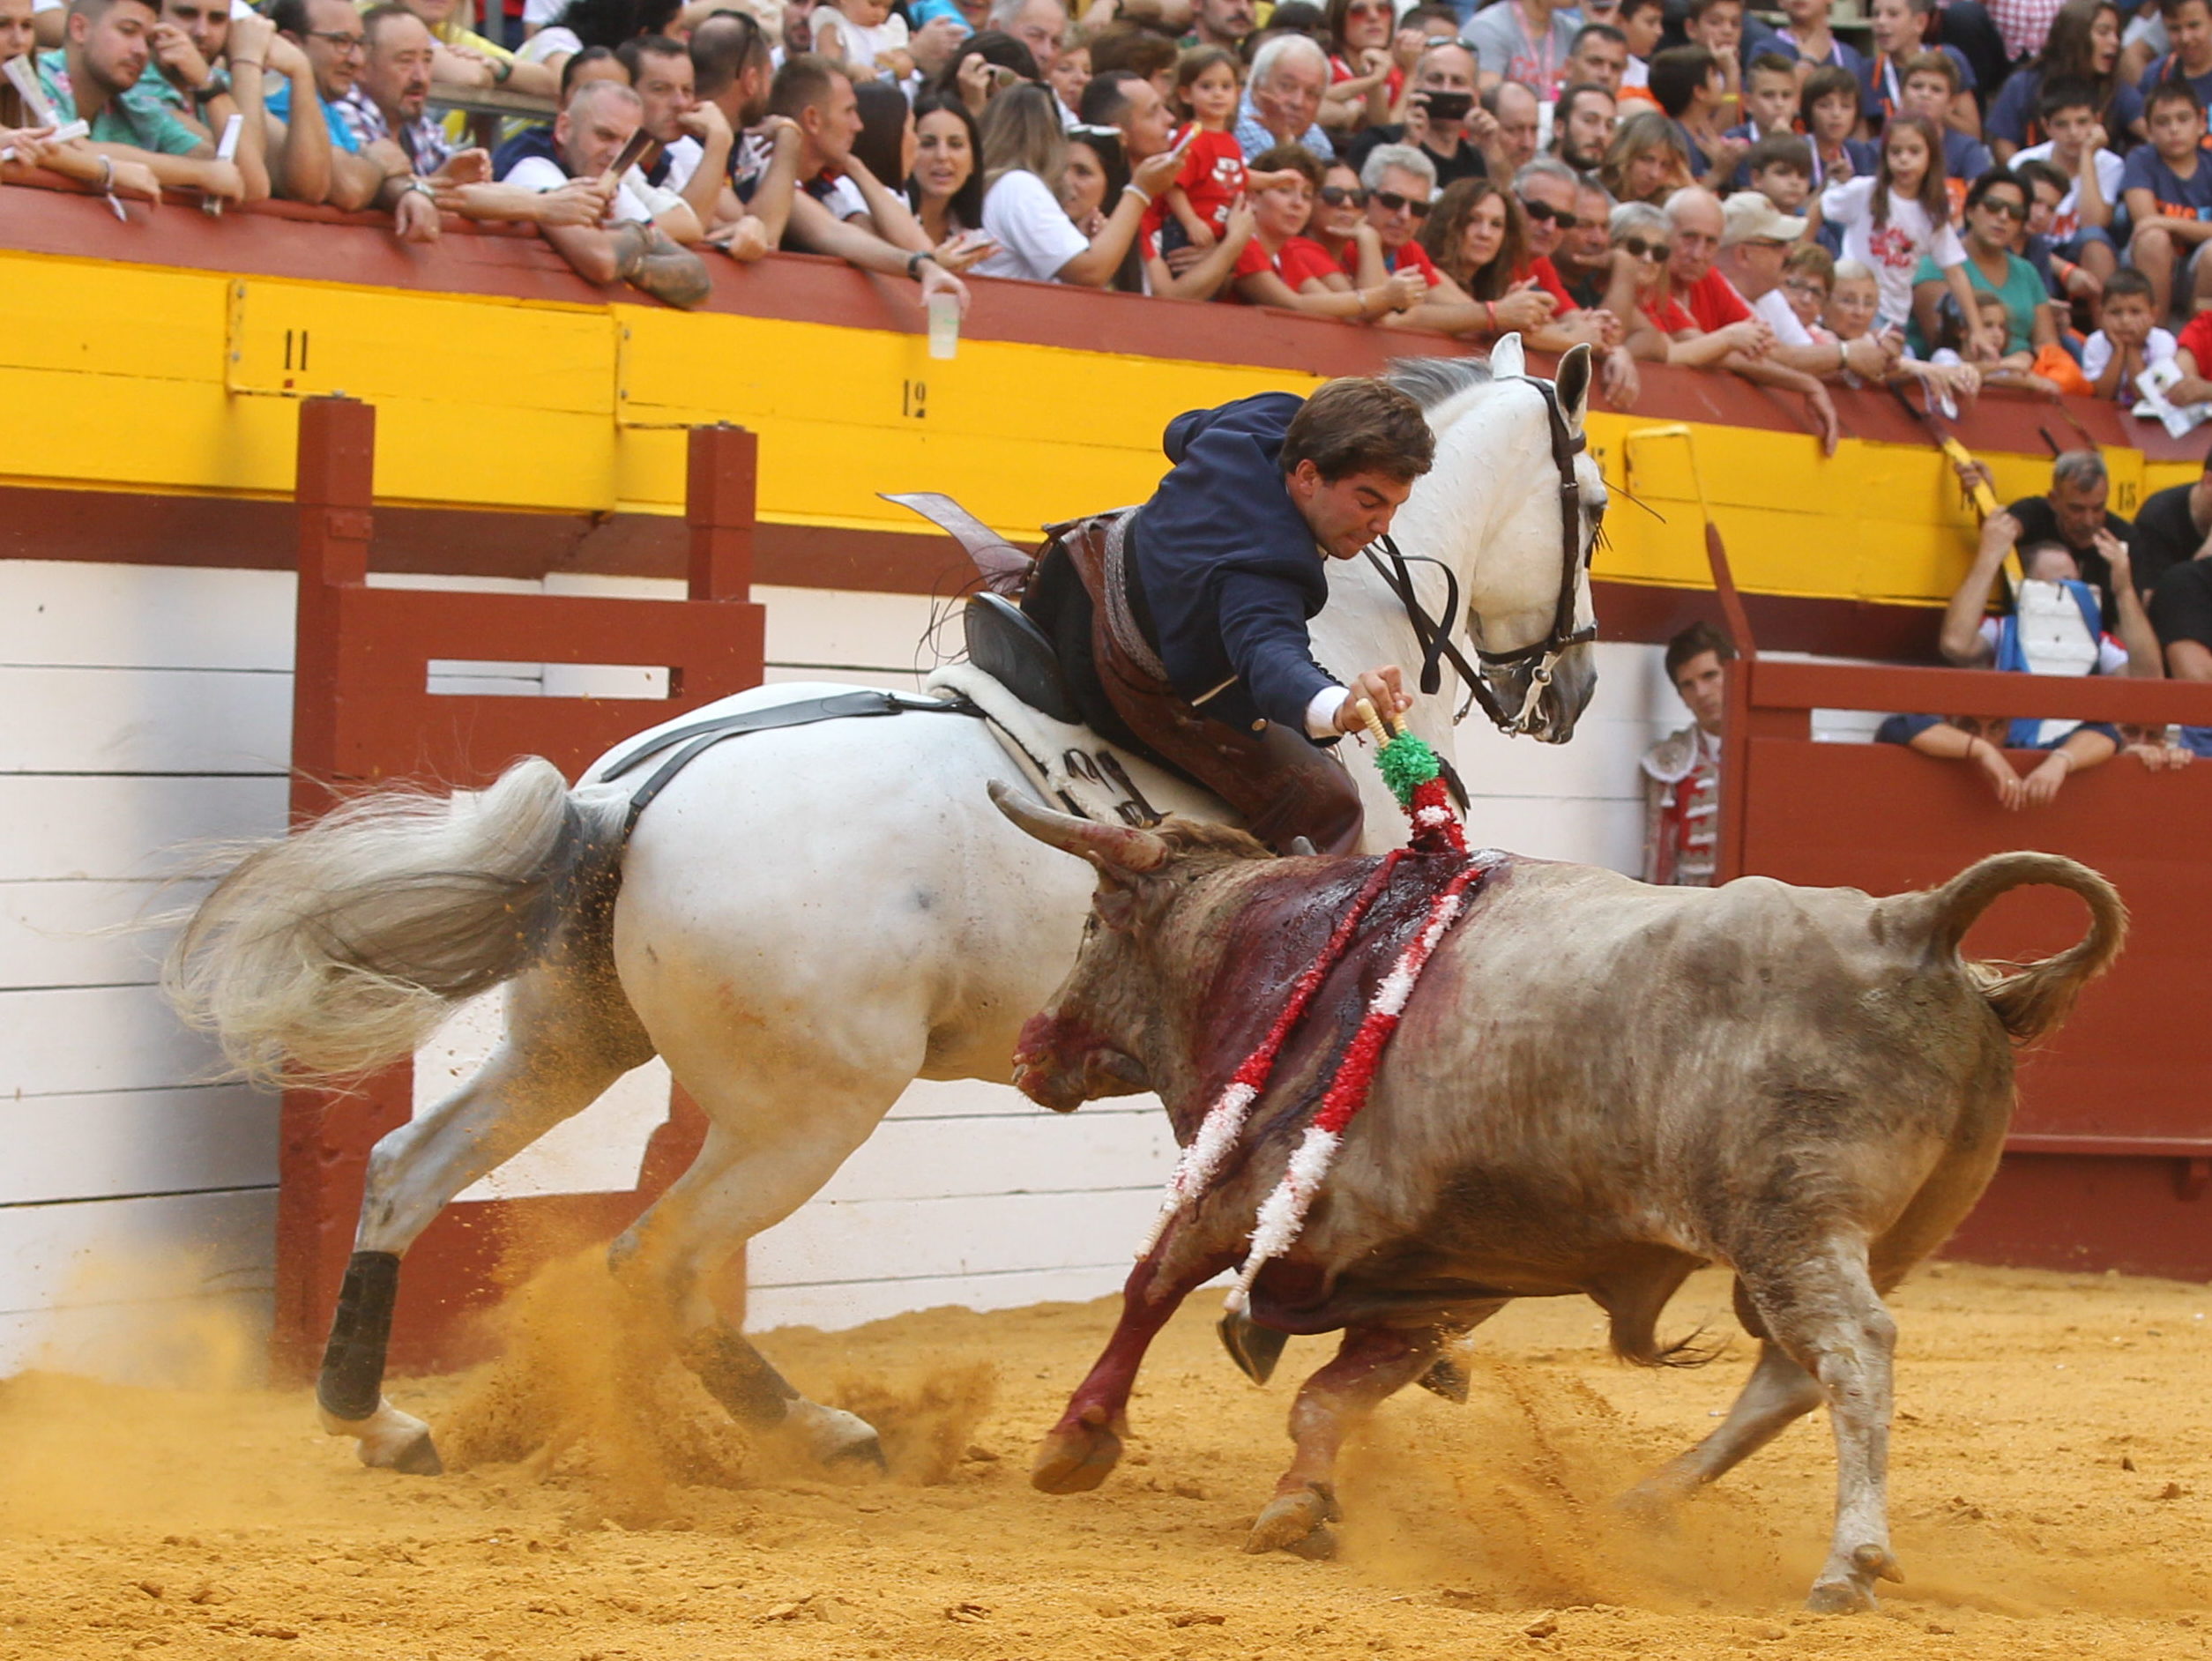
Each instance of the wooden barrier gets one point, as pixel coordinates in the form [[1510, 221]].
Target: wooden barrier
[[363, 717], [2111, 1149]]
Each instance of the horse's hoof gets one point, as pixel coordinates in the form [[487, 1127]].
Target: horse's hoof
[[420, 1458], [835, 1439], [1840, 1596], [1075, 1457], [1291, 1521]]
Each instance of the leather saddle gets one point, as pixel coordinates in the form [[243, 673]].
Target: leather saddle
[[1001, 640]]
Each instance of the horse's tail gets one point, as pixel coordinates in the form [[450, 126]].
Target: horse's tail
[[2029, 998], [325, 954]]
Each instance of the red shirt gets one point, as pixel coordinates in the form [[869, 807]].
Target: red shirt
[[1668, 316], [2196, 340], [1212, 177], [1546, 276], [1713, 303], [1409, 253], [1297, 260]]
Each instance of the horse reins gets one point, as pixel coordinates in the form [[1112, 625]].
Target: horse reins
[[1435, 637]]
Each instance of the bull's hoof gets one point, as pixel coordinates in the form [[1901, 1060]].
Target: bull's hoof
[[1297, 1523], [1650, 1505], [420, 1458], [1075, 1457]]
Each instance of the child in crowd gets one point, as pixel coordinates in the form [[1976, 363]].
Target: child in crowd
[[1718, 26], [1780, 168], [1770, 99], [1691, 88], [866, 35], [2167, 185], [1808, 278], [1643, 22], [1891, 221], [2189, 27], [2078, 229], [1194, 209], [2129, 341], [1828, 110], [1806, 39], [1931, 88], [1900, 28]]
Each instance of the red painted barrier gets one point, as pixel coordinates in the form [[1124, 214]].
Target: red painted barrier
[[363, 717], [2111, 1149]]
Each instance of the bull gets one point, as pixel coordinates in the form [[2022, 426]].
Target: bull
[[1597, 1087]]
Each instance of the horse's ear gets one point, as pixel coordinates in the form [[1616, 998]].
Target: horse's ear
[[1573, 386], [1507, 359]]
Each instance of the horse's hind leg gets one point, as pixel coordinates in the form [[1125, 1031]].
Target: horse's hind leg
[[1371, 1364], [563, 1046], [756, 1168]]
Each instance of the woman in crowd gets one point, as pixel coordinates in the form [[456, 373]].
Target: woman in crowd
[[1476, 235], [1996, 209], [1340, 225], [945, 185], [1025, 152], [1660, 329], [1808, 277], [2084, 46], [1645, 162], [1366, 75], [1090, 186], [1854, 297], [1281, 266]]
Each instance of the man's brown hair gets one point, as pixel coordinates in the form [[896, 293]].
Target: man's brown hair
[[1695, 641], [1361, 424], [804, 81]]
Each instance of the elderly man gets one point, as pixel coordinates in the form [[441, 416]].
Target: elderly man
[[1282, 97], [1223, 23], [611, 228], [1524, 41], [1582, 125], [1038, 25], [385, 107], [1445, 68], [1547, 191], [1756, 238], [1510, 142], [94, 77]]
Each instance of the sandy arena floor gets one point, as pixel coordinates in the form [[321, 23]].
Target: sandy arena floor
[[2052, 1464]]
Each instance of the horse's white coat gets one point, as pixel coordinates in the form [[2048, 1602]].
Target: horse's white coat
[[812, 917]]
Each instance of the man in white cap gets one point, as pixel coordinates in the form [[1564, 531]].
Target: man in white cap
[[1755, 239]]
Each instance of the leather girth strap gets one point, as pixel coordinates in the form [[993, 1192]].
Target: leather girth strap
[[689, 741], [1282, 786]]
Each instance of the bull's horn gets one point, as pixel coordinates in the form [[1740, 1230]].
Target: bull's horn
[[1120, 846]]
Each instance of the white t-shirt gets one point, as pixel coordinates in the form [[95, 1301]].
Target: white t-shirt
[[633, 198], [1034, 234], [1773, 309], [549, 42], [2097, 352], [1891, 251], [543, 11], [684, 157], [2064, 221], [862, 46]]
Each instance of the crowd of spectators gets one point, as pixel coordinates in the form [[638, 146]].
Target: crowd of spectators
[[1963, 197]]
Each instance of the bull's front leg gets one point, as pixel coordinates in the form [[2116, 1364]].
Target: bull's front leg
[[1077, 1453], [1371, 1364]]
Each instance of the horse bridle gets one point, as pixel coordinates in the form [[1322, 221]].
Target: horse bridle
[[1435, 637]]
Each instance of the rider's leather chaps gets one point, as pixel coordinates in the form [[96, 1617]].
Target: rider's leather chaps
[[1283, 786]]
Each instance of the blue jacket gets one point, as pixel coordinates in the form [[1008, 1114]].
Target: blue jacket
[[1230, 573]]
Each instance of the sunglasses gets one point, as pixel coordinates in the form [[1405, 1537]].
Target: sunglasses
[[2007, 206], [1659, 253], [1544, 214], [1343, 196], [1393, 203]]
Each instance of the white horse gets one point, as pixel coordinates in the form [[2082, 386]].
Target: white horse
[[806, 921]]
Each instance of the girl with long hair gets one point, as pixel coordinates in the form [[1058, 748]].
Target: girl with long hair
[[1645, 162], [1890, 221], [1281, 266], [2084, 46], [1024, 154], [1368, 61]]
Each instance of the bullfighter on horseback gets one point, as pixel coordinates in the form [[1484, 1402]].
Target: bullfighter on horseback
[[1181, 625]]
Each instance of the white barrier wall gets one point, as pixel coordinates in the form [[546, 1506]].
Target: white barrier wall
[[150, 707]]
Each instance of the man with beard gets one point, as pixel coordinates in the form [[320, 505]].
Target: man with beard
[[731, 69], [385, 107], [94, 78], [1582, 125]]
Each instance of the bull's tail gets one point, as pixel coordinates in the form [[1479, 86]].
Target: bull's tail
[[323, 955], [2029, 998]]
